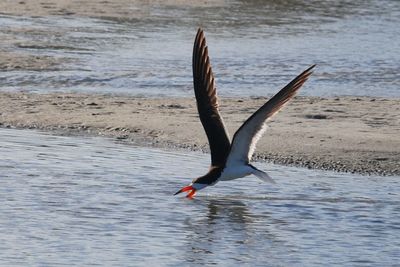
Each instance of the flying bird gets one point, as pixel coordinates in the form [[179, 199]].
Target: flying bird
[[230, 160]]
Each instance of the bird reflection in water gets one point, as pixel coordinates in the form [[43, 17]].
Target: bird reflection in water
[[228, 221]]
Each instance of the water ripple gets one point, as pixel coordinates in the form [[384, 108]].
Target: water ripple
[[63, 203], [256, 47]]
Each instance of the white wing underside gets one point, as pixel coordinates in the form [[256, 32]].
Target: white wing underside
[[245, 142], [245, 139]]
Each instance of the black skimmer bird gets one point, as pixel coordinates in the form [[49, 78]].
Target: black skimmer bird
[[230, 160]]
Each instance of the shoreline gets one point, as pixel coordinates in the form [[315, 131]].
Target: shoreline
[[345, 134]]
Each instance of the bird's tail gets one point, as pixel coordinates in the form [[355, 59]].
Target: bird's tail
[[262, 175]]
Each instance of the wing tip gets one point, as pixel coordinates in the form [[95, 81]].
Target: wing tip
[[308, 71], [200, 34], [312, 66], [303, 77]]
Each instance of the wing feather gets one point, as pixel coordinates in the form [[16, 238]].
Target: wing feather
[[246, 137], [207, 102]]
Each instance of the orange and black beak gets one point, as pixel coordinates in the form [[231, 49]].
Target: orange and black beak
[[187, 188]]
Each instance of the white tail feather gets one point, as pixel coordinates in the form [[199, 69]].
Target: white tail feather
[[263, 176]]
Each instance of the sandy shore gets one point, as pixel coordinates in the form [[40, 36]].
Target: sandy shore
[[345, 134], [359, 135]]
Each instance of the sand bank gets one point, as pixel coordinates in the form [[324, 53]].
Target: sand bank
[[359, 135]]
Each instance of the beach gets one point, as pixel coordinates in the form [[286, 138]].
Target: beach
[[357, 134], [346, 134], [99, 128]]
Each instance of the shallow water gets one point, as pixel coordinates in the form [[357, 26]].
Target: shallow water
[[256, 47], [91, 201]]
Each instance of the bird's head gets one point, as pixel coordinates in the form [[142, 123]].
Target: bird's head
[[192, 188]]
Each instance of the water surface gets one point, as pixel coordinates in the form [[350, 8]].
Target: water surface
[[256, 47], [90, 201]]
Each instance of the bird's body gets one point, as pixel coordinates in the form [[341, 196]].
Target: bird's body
[[230, 161], [235, 172]]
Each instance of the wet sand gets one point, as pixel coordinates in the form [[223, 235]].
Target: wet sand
[[348, 134]]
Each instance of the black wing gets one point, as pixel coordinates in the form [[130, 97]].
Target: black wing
[[207, 102]]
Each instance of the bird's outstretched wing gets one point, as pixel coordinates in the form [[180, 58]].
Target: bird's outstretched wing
[[207, 102], [246, 137]]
